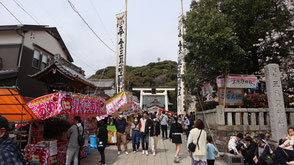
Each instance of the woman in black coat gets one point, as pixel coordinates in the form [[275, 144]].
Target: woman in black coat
[[175, 135], [102, 140]]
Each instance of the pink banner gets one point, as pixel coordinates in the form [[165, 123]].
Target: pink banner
[[64, 103]]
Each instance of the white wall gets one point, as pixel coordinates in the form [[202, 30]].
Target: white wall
[[9, 37], [45, 41]]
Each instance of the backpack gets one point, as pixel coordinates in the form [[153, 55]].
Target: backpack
[[81, 138]]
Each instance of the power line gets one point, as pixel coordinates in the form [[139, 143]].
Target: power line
[[75, 10], [100, 19], [11, 13], [26, 11]]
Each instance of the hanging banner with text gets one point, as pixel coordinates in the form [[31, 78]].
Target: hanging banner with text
[[238, 82], [121, 51], [181, 67], [233, 96], [54, 104], [114, 104]]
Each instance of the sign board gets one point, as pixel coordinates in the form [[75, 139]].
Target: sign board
[[238, 82], [121, 51], [234, 96]]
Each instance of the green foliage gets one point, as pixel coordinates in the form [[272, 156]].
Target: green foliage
[[234, 36], [161, 74]]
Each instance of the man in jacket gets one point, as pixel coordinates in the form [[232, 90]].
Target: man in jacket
[[121, 124], [73, 145], [144, 127], [9, 151], [163, 123]]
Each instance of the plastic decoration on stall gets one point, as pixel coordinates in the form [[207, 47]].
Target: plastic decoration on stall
[[66, 103], [13, 107]]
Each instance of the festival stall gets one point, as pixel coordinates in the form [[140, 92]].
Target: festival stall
[[15, 110], [60, 108]]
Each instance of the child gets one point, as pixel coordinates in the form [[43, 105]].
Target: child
[[289, 140], [211, 151]]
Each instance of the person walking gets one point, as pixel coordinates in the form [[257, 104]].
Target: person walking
[[212, 151], [198, 137], [102, 140], [187, 125], [135, 135], [175, 135], [145, 126], [163, 123], [121, 124], [73, 149], [154, 132], [9, 150]]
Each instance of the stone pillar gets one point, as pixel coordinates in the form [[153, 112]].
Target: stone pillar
[[261, 118], [245, 118], [220, 115], [237, 118], [291, 119], [229, 118], [277, 112], [253, 118]]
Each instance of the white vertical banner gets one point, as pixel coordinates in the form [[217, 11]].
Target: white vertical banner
[[181, 68], [121, 51]]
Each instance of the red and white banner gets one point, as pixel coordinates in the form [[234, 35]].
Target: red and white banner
[[238, 82], [64, 103]]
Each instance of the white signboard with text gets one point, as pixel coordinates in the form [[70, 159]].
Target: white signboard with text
[[121, 51], [181, 67]]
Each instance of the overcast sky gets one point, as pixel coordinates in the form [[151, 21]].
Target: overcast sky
[[152, 28]]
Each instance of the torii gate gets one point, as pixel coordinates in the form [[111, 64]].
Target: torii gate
[[154, 92]]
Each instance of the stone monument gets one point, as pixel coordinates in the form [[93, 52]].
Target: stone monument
[[275, 97]]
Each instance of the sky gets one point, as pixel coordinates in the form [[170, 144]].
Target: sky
[[152, 28]]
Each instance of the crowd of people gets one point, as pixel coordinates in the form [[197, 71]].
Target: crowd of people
[[255, 150]]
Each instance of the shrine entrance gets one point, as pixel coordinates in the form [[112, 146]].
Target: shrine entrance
[[160, 91]]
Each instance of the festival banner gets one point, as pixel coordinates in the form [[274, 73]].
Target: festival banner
[[121, 51], [64, 103], [114, 105], [181, 67], [238, 82]]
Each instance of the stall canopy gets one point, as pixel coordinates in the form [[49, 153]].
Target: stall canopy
[[13, 107]]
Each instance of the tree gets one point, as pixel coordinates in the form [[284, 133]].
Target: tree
[[234, 36]]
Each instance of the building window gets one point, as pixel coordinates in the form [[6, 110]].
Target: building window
[[36, 59], [44, 62]]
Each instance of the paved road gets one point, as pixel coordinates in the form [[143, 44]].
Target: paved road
[[165, 156]]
